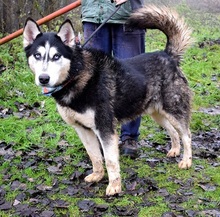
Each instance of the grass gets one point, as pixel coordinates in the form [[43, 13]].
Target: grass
[[46, 130]]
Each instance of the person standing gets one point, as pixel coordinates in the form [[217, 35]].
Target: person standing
[[116, 39]]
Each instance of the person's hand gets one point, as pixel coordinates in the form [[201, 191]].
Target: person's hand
[[119, 2]]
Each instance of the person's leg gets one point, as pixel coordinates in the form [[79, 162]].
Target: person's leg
[[128, 43], [130, 130], [101, 40]]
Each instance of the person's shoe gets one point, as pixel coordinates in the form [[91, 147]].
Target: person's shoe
[[129, 148]]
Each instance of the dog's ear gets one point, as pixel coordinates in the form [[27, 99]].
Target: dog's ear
[[31, 30], [67, 33]]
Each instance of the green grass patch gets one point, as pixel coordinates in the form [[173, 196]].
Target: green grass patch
[[45, 137]]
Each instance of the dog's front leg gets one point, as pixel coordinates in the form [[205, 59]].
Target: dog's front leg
[[111, 153], [92, 146]]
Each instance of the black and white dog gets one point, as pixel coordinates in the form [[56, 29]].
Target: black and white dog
[[94, 91]]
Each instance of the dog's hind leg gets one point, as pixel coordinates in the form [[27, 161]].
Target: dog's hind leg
[[175, 141], [186, 162], [111, 153], [92, 146], [182, 127]]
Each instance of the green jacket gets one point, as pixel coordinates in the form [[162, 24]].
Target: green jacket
[[96, 11]]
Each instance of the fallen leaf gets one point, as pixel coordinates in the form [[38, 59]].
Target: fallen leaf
[[207, 187], [86, 205]]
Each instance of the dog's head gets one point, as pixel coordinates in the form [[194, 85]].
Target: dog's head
[[48, 54]]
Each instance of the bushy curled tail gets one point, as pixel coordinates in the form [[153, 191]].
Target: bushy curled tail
[[169, 22]]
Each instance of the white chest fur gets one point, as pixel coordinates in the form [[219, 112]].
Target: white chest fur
[[72, 117]]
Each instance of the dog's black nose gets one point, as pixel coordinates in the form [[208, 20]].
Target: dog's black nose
[[44, 79]]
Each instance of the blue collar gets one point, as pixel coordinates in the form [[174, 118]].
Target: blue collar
[[48, 91]]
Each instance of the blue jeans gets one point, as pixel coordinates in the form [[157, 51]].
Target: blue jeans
[[121, 42]]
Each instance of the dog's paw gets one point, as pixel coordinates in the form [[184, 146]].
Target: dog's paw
[[114, 187], [185, 164], [94, 177], [173, 152]]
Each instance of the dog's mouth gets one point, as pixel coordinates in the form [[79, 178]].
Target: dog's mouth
[[50, 90]]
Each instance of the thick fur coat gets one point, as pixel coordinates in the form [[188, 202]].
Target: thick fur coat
[[94, 91]]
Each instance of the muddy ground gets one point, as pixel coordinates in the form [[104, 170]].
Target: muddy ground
[[37, 201]]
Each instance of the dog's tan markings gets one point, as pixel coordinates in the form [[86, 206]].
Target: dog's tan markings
[[82, 78], [91, 143], [175, 141], [98, 170], [86, 74], [92, 146], [71, 117], [88, 138], [185, 135], [114, 187], [186, 162], [174, 151], [111, 153], [82, 81]]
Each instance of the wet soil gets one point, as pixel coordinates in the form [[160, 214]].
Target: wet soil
[[38, 200]]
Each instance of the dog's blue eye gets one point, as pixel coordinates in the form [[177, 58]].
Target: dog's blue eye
[[37, 56], [56, 57]]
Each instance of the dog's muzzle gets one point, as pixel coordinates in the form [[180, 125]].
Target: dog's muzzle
[[44, 81]]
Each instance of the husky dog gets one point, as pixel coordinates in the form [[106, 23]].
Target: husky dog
[[94, 91]]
